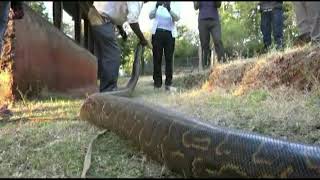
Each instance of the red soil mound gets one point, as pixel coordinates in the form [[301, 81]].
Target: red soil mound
[[298, 68]]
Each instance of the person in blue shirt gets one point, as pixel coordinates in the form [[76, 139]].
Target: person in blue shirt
[[209, 23]]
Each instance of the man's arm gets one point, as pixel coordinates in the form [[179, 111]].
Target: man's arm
[[122, 32], [134, 9], [136, 29], [196, 5]]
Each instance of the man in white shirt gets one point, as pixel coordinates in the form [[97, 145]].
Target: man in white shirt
[[110, 14]]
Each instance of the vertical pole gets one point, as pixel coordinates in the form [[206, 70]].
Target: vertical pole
[[86, 33], [212, 58], [200, 58], [77, 23], [90, 40], [57, 14]]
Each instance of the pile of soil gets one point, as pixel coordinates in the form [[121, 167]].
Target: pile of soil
[[298, 68]]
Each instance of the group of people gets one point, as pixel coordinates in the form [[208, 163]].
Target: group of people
[[165, 14], [164, 32]]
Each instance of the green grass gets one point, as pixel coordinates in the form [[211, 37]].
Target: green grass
[[45, 137]]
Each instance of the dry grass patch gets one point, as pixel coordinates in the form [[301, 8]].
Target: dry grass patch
[[298, 68]]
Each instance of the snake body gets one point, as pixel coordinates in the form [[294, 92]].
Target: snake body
[[191, 147], [195, 149]]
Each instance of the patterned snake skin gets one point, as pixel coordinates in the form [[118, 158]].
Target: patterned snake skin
[[192, 148], [195, 149]]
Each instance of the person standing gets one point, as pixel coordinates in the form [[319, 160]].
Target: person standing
[[308, 21], [114, 13], [272, 21], [164, 32], [209, 23]]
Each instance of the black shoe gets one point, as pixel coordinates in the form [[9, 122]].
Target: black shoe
[[302, 39], [156, 87], [5, 112], [109, 90], [315, 43]]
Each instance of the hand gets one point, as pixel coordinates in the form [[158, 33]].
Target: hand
[[147, 43], [17, 13], [159, 3], [123, 33], [124, 36], [167, 5]]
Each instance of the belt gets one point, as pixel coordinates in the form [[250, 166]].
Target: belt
[[267, 10], [162, 30]]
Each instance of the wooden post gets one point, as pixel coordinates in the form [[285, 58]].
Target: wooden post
[[57, 14], [90, 40], [86, 33], [212, 58], [200, 58], [77, 23]]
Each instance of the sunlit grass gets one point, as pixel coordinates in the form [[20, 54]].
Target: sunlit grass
[[45, 137]]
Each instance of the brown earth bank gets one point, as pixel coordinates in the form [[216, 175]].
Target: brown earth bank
[[37, 56], [297, 68]]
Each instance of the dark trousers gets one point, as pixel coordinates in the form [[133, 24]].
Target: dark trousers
[[272, 21], [213, 27], [4, 12], [162, 41], [108, 56]]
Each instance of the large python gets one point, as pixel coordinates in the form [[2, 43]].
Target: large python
[[196, 149]]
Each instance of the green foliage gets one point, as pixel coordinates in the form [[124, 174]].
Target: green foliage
[[186, 44], [128, 48], [290, 30], [257, 96], [39, 7], [127, 51], [240, 25]]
